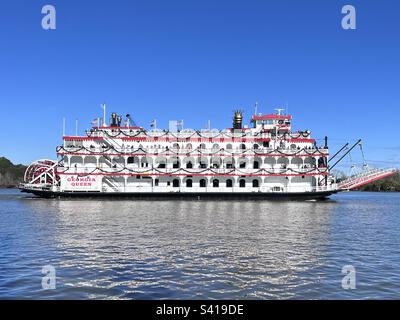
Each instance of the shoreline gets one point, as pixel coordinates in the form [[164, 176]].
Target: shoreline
[[10, 186]]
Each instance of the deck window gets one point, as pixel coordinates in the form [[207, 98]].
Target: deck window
[[175, 183]]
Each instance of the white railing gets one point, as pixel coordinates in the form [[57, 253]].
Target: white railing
[[236, 152], [119, 168]]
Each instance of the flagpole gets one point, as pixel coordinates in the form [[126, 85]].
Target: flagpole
[[76, 127], [63, 127], [104, 114]]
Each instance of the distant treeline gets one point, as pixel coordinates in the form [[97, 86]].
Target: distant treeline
[[391, 183], [10, 174]]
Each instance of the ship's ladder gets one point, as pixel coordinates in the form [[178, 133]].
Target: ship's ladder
[[112, 142], [360, 176], [365, 177], [111, 183]]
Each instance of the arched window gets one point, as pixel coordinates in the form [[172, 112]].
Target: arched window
[[189, 165], [229, 183], [145, 162], [243, 146], [255, 146], [202, 146], [256, 183], [242, 183], [215, 146], [202, 183], [162, 165], [133, 160], [256, 165], [215, 183], [228, 146], [175, 183], [229, 163], [203, 162], [189, 183], [215, 162], [175, 163]]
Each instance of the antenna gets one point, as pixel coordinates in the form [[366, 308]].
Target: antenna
[[255, 108], [63, 127], [76, 127]]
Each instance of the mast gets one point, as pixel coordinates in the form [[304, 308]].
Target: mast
[[103, 106]]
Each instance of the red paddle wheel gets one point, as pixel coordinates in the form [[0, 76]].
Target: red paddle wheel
[[43, 172]]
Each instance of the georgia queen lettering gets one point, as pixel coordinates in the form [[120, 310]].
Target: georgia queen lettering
[[81, 181]]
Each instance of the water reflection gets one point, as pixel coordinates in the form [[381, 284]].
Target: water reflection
[[200, 249], [187, 249]]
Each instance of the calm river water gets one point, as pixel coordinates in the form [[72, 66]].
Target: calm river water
[[104, 249]]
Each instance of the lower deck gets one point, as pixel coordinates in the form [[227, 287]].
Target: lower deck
[[189, 184], [316, 195]]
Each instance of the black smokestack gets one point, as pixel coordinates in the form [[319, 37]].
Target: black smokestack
[[237, 120], [113, 119]]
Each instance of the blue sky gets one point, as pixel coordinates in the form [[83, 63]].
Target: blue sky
[[199, 60]]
